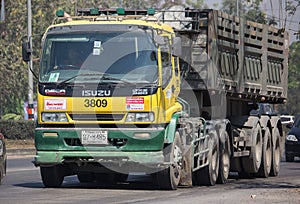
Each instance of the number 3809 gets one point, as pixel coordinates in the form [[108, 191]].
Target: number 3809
[[95, 103]]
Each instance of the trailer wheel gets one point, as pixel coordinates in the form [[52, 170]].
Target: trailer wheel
[[275, 153], [224, 165], [86, 177], [208, 175], [252, 163], [265, 166], [53, 176], [168, 179]]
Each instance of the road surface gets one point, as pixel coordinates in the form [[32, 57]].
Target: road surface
[[22, 184]]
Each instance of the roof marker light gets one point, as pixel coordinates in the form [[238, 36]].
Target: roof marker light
[[60, 13], [94, 11], [120, 11], [151, 11]]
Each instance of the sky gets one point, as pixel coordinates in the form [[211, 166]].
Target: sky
[[292, 23]]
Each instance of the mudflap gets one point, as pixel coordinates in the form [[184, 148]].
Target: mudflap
[[186, 174]]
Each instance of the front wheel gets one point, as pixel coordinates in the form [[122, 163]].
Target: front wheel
[[53, 176], [169, 178]]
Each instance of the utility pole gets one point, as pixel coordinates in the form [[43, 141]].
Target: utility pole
[[237, 8], [30, 77]]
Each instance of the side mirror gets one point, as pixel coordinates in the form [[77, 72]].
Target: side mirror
[[26, 51], [159, 40], [176, 47]]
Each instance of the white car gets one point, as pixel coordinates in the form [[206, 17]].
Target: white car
[[287, 119]]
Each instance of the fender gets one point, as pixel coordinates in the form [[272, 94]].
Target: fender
[[171, 128]]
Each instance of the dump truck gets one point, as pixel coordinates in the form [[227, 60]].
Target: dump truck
[[167, 93]]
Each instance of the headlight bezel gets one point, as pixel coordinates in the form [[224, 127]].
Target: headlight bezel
[[140, 117], [57, 117]]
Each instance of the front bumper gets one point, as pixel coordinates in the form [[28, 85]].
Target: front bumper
[[66, 147]]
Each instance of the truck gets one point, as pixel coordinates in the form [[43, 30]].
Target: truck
[[167, 93]]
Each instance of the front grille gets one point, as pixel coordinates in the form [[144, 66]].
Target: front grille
[[98, 117], [118, 142]]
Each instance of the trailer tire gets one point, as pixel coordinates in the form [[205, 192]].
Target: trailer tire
[[224, 165], [265, 166], [86, 177], [208, 175], [168, 178], [275, 168], [53, 176], [252, 163]]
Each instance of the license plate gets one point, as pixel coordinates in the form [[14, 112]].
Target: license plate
[[94, 137]]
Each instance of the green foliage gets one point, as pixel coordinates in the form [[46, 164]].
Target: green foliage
[[12, 116], [250, 10], [293, 103], [21, 129]]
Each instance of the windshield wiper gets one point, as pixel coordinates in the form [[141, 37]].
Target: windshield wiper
[[108, 77], [104, 76], [82, 74]]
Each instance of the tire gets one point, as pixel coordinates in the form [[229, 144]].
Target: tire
[[224, 164], [289, 158], [53, 176], [275, 168], [208, 175], [168, 179], [252, 163], [86, 177], [265, 166]]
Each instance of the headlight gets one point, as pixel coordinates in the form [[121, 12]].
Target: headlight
[[292, 138], [140, 117], [54, 117]]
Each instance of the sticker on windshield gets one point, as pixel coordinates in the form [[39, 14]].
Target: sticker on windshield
[[135, 103], [53, 77]]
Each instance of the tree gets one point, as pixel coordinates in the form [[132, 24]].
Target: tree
[[250, 10], [293, 103]]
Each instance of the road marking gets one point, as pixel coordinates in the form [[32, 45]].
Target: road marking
[[11, 170]]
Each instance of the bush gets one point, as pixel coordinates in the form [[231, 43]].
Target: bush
[[20, 129], [12, 116]]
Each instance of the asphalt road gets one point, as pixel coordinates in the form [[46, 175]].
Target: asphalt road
[[22, 184]]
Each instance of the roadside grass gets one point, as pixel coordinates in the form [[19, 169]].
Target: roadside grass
[[19, 144]]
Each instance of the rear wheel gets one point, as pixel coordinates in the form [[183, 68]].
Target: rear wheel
[[169, 178], [275, 153], [208, 175], [224, 165], [252, 163], [52, 176], [265, 166]]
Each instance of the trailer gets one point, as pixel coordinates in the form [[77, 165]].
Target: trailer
[[168, 93]]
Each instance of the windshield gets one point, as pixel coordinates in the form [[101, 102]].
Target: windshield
[[77, 56]]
